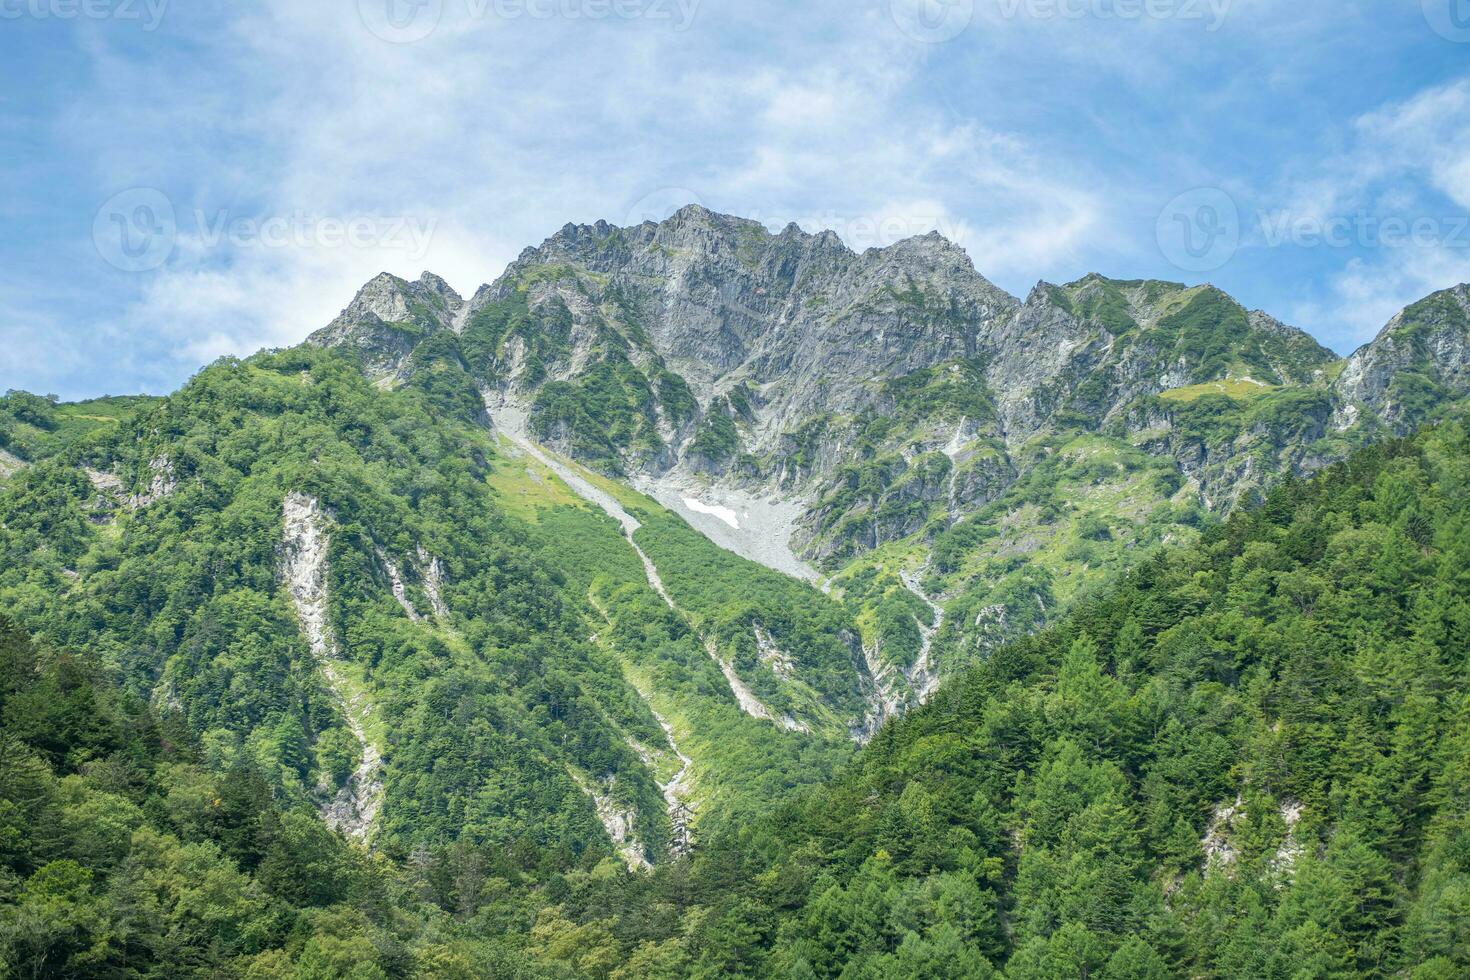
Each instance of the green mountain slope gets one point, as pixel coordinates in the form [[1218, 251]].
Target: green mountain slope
[[123, 854], [366, 597], [865, 418], [1247, 760]]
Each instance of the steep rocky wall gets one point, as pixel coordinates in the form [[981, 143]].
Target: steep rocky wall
[[305, 551]]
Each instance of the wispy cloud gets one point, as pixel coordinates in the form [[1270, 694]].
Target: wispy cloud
[[491, 133], [1406, 165], [1044, 144]]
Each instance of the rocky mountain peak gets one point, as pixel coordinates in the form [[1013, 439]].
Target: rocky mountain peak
[[1420, 357], [832, 403], [719, 296], [390, 299], [437, 286], [389, 316]]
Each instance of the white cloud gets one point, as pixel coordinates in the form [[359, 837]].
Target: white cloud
[[498, 133], [1045, 146], [1407, 162]]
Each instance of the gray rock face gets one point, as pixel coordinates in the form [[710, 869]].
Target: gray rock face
[[1096, 347], [799, 318], [1030, 350], [1421, 357], [895, 390], [389, 317]]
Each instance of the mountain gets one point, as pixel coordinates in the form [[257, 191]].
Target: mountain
[[956, 463], [597, 570], [1419, 361], [1245, 760]]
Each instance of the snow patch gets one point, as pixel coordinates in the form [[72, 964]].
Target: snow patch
[[713, 510], [761, 529]]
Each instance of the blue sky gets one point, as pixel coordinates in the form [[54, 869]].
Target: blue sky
[[184, 180]]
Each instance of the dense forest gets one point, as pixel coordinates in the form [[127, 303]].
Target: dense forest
[[1248, 758]]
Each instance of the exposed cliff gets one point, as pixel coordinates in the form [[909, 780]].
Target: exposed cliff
[[812, 407]]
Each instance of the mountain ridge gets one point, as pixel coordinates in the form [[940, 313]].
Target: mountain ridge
[[826, 411], [987, 463], [467, 573]]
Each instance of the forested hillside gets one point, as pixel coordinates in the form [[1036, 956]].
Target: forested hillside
[[367, 599], [1250, 759], [122, 854]]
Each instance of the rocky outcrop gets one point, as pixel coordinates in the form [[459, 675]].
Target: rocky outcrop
[[1221, 847], [431, 571], [305, 547], [1420, 358], [1218, 843], [883, 691], [10, 464], [396, 586], [112, 494], [677, 792], [772, 655], [161, 483], [792, 346], [923, 677], [390, 317], [617, 819]]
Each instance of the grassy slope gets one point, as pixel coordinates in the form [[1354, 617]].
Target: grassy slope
[[1304, 664]]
